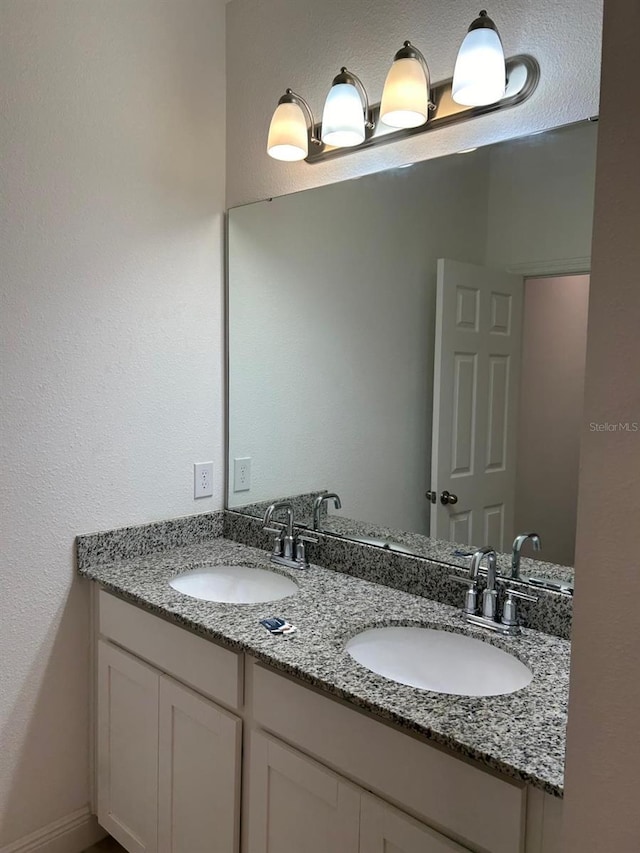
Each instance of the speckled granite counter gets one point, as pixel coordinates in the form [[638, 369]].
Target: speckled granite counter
[[521, 735], [439, 550], [405, 542], [551, 613]]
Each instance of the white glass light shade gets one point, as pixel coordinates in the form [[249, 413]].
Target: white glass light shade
[[288, 137], [343, 117], [479, 77], [405, 97]]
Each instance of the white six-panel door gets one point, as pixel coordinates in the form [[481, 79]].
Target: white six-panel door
[[476, 381]]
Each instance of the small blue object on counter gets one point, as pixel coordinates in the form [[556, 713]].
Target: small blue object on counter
[[277, 625]]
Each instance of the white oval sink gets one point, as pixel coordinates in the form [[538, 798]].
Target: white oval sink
[[439, 661], [234, 584]]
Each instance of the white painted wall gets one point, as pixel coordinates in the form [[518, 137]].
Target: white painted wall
[[332, 307], [554, 343], [302, 44], [603, 745], [527, 184], [112, 187]]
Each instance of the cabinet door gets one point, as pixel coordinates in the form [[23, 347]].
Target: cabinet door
[[199, 773], [128, 693], [297, 805], [384, 829]]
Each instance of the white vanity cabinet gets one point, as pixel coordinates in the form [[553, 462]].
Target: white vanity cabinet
[[127, 749], [198, 773], [384, 829], [168, 758], [204, 750], [297, 804]]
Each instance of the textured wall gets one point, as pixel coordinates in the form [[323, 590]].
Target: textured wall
[[347, 273], [558, 184], [302, 44], [603, 753], [112, 183], [340, 397], [554, 342]]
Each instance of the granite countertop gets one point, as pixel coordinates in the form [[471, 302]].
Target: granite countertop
[[440, 550], [407, 542], [521, 734]]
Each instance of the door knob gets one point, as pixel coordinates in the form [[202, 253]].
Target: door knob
[[431, 496], [447, 498]]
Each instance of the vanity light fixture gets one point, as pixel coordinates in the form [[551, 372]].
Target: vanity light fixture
[[480, 76], [406, 94], [411, 103], [346, 116], [291, 128]]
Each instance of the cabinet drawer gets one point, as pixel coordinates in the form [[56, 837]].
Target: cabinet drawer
[[451, 795], [208, 668]]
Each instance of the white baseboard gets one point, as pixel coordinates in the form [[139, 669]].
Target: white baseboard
[[70, 834]]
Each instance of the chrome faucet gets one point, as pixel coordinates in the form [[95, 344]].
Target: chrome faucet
[[283, 544], [508, 624], [317, 506], [288, 550], [471, 596], [489, 596], [518, 542]]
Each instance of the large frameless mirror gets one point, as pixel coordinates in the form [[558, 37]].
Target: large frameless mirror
[[414, 341]]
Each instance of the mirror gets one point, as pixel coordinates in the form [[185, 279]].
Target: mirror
[[414, 341]]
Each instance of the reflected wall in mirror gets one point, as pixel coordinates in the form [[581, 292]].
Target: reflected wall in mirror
[[417, 332]]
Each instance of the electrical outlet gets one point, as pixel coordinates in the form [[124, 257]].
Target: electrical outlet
[[242, 474], [203, 479]]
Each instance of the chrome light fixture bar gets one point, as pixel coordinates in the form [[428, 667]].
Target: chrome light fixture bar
[[483, 82], [522, 75]]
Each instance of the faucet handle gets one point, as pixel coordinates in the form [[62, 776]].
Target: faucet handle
[[516, 593], [513, 591], [301, 551], [510, 609], [471, 596], [277, 542], [469, 581]]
